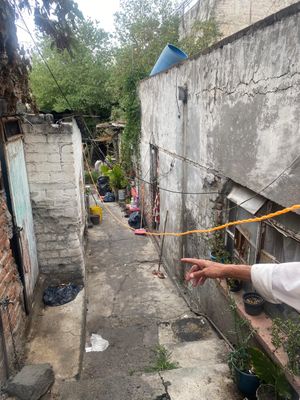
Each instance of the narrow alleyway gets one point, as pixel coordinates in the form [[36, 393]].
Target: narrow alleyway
[[135, 311]]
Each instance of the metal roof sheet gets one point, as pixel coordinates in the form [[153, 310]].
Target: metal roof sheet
[[246, 198]]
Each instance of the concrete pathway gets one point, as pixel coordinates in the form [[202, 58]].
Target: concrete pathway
[[56, 335], [135, 311]]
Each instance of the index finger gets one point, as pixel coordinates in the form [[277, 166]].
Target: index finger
[[191, 260]]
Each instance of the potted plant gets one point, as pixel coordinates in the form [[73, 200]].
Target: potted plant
[[218, 252], [286, 333], [253, 303], [239, 359], [274, 386], [117, 180], [240, 364]]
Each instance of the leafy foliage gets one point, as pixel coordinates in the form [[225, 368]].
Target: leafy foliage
[[203, 34], [143, 28], [269, 373], [217, 248], [117, 179], [240, 358], [286, 333], [91, 177], [82, 76], [56, 19]]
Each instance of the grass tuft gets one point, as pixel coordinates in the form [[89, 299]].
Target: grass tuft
[[162, 361]]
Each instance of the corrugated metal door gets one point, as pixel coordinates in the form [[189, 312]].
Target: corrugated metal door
[[21, 208]]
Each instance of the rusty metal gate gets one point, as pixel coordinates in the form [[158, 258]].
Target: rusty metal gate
[[18, 196]]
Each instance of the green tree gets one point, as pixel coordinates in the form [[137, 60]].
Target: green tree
[[143, 28], [83, 75], [56, 19], [203, 34]]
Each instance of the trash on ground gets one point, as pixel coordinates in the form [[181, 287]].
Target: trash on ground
[[141, 232], [109, 197], [97, 343], [135, 220], [62, 294]]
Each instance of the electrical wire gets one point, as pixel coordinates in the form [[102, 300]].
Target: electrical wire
[[199, 231], [266, 187]]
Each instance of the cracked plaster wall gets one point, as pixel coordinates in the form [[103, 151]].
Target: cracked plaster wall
[[54, 166], [230, 15], [240, 123]]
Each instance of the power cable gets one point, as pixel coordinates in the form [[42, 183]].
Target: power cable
[[200, 231], [266, 187]]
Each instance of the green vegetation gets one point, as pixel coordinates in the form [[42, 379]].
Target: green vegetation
[[270, 373], [82, 76], [91, 178], [286, 333], [203, 34], [217, 248], [143, 29], [162, 361], [117, 178], [102, 74]]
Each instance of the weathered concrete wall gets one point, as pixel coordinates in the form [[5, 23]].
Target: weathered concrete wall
[[241, 122], [11, 288], [54, 162], [230, 15]]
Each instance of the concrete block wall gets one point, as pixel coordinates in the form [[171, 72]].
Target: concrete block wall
[[54, 161], [11, 287], [240, 123], [230, 15]]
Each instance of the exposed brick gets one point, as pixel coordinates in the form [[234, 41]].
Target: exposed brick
[[9, 286]]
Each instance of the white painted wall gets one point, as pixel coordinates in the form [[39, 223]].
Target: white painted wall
[[241, 123]]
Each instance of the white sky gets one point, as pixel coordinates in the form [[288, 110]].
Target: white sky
[[100, 10]]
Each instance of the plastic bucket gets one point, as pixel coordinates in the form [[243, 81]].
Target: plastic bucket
[[170, 56], [121, 194], [96, 210]]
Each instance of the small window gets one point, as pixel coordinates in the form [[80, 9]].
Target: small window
[[277, 247]]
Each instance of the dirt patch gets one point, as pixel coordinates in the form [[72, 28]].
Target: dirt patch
[[191, 329]]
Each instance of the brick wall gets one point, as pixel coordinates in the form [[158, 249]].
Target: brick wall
[[11, 287], [53, 159]]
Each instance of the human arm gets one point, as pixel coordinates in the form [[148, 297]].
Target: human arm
[[203, 269], [277, 283]]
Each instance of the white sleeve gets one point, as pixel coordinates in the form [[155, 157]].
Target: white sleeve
[[278, 283]]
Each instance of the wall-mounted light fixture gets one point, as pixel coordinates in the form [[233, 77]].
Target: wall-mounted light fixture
[[182, 94]]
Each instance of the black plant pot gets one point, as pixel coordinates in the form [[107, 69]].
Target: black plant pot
[[234, 285], [247, 383], [253, 303], [266, 392]]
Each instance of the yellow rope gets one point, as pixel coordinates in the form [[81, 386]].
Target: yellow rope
[[209, 230]]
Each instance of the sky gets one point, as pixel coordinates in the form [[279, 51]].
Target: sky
[[101, 10]]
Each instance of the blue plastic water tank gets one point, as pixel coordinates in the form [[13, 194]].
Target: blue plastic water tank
[[170, 55]]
